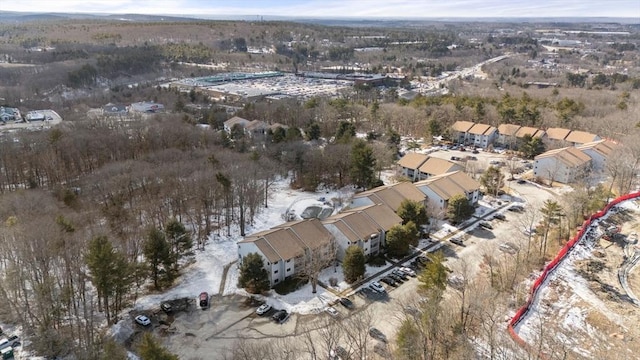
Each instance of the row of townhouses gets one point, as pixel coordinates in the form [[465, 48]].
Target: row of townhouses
[[509, 135], [567, 164], [288, 248], [251, 128]]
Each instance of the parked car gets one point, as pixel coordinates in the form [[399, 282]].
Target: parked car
[[280, 316], [475, 151], [375, 286], [516, 208], [396, 278], [331, 311], [529, 231], [400, 274], [14, 340], [389, 281], [499, 216], [339, 353], [522, 181], [457, 241], [204, 300], [143, 320], [346, 303], [408, 271], [377, 334], [263, 309], [166, 307], [485, 224], [509, 248]]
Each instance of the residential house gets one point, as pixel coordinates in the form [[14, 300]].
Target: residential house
[[556, 135], [287, 249], [599, 151], [390, 195], [236, 120], [409, 164], [507, 135], [529, 131], [9, 114], [436, 166], [114, 110], [439, 189], [482, 135], [460, 131], [563, 165], [274, 126], [147, 107], [256, 128], [576, 138], [365, 227]]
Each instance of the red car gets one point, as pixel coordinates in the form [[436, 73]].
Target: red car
[[204, 300]]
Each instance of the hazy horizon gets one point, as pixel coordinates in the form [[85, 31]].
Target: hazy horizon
[[347, 9]]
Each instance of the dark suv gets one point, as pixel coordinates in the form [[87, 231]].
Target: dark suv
[[280, 316]]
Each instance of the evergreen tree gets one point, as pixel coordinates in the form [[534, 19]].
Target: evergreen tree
[[363, 164], [346, 131], [313, 132], [397, 241], [459, 208], [492, 180], [253, 276], [179, 239], [530, 147], [157, 251], [433, 278], [150, 349], [102, 262], [413, 211], [353, 264], [278, 135]]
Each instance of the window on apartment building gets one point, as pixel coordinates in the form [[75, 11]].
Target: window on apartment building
[[275, 271], [276, 281], [288, 261], [288, 269]]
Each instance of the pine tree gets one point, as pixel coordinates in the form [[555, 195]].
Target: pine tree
[[110, 274], [157, 252], [433, 278], [459, 208], [413, 211], [149, 349], [253, 276], [492, 180], [397, 242], [363, 164], [353, 264], [180, 241]]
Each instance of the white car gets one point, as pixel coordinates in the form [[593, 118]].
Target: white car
[[331, 311], [263, 309], [408, 271], [377, 287], [143, 320]]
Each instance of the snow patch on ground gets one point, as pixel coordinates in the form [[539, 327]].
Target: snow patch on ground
[[221, 249], [573, 319]]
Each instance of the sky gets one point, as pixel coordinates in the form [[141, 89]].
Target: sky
[[340, 8]]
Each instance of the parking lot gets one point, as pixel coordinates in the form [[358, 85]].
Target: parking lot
[[193, 333]]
